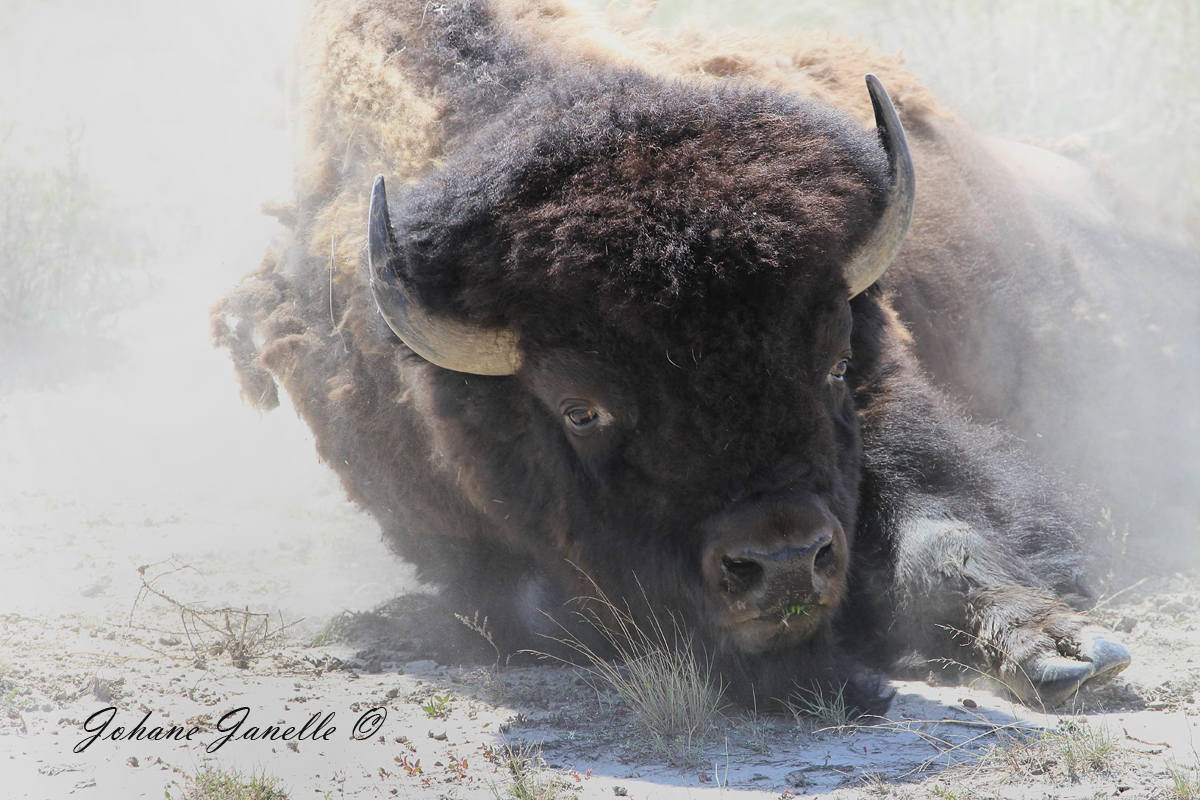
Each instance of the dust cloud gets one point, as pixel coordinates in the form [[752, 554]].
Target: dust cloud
[[134, 448]]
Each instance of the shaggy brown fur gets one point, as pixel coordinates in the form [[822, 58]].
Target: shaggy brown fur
[[663, 223]]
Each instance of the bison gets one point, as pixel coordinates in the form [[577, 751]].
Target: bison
[[633, 316]]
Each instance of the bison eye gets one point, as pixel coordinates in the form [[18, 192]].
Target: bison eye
[[839, 369], [582, 420]]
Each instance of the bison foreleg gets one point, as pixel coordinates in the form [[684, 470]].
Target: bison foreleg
[[965, 600], [1042, 650]]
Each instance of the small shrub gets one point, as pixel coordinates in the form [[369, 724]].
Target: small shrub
[[946, 793], [437, 706], [241, 634], [63, 259]]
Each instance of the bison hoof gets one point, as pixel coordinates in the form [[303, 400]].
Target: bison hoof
[[1051, 680], [1107, 654]]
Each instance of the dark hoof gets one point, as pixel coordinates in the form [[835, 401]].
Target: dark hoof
[[1050, 681]]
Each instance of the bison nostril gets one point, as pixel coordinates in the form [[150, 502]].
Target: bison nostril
[[824, 559], [740, 576]]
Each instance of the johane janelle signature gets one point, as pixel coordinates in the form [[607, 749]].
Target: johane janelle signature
[[232, 726]]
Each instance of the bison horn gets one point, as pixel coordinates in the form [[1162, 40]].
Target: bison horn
[[873, 256], [440, 339]]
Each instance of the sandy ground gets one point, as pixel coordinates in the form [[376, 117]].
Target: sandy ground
[[84, 650], [152, 461]]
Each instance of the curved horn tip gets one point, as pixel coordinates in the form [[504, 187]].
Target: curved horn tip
[[874, 85], [381, 239], [875, 254], [881, 102], [887, 119], [379, 198]]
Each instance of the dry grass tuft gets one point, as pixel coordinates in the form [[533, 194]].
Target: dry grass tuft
[[213, 783], [530, 779], [658, 675], [1185, 781], [480, 626], [819, 713], [1074, 749]]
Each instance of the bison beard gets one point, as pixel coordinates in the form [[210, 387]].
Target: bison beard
[[631, 358]]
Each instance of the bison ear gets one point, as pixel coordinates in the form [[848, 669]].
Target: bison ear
[[873, 256], [446, 341]]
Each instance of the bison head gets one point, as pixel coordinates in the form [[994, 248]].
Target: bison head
[[636, 350]]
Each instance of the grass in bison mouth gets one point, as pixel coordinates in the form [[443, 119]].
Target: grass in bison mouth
[[797, 610]]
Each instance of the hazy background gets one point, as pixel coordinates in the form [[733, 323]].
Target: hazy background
[[137, 141]]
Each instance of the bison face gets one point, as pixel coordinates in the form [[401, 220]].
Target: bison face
[[721, 488], [636, 299], [723, 496]]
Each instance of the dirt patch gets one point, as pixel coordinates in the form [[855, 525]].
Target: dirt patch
[[369, 717]]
